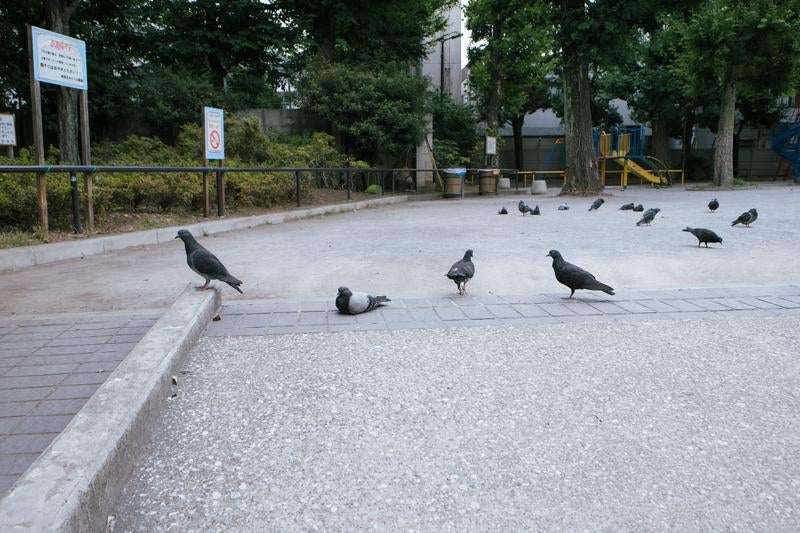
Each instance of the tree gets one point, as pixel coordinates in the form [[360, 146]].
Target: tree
[[745, 47]]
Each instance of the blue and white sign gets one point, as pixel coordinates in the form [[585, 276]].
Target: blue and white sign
[[59, 59], [214, 132]]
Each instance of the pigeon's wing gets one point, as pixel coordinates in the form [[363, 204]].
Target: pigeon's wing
[[461, 269], [359, 302], [207, 264], [577, 273]]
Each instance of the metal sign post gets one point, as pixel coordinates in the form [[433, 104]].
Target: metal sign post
[[60, 60], [214, 148]]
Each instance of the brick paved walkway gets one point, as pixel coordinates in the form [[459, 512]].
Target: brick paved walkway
[[270, 317], [49, 368]]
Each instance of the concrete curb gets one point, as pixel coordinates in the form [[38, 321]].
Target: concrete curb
[[73, 485], [27, 256]]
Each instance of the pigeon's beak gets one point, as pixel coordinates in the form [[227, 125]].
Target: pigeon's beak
[[177, 236]]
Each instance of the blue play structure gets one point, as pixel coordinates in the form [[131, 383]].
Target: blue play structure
[[786, 144]]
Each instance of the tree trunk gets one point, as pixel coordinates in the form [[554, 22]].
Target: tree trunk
[[516, 126], [582, 174], [324, 28], [723, 153], [661, 131], [686, 145], [493, 100], [58, 14]]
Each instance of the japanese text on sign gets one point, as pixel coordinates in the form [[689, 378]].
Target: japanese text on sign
[[59, 59], [8, 136]]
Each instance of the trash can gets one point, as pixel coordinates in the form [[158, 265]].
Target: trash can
[[453, 181], [538, 187], [487, 180]]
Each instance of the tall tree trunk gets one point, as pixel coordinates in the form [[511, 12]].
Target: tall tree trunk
[[516, 126], [661, 131], [324, 28], [686, 144], [723, 154], [493, 100], [58, 14]]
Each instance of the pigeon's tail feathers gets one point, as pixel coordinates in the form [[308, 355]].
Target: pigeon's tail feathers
[[233, 282], [687, 228], [735, 222], [601, 287], [382, 299]]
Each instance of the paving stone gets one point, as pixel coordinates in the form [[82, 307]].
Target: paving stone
[[658, 306], [7, 425], [122, 347], [416, 302], [10, 342], [15, 444], [101, 325], [503, 311], [791, 298], [98, 366], [683, 305], [16, 352], [67, 350], [255, 321], [43, 329], [477, 312], [634, 307], [374, 317], [287, 307], [107, 356], [530, 310], [395, 316], [7, 362], [16, 463], [86, 333], [56, 359], [709, 304], [441, 302], [68, 392], [79, 341], [450, 313], [281, 330], [427, 315], [313, 318], [6, 482], [778, 301], [554, 309], [284, 319], [320, 305], [339, 319], [58, 407], [41, 370], [11, 408], [138, 331], [583, 309], [491, 299], [242, 308], [758, 303], [85, 379], [31, 381], [42, 424], [733, 303], [246, 332], [141, 322]]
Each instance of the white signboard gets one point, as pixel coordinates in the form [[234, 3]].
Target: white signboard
[[59, 59], [491, 145], [8, 135], [214, 132]]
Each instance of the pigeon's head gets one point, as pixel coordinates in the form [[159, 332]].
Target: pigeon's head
[[468, 254], [521, 203], [344, 291], [555, 254], [183, 234], [752, 211], [601, 200], [656, 209]]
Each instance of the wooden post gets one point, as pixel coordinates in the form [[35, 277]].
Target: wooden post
[[86, 155], [10, 152], [38, 139], [206, 200]]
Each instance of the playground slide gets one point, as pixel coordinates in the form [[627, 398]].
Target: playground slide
[[639, 170], [787, 144]]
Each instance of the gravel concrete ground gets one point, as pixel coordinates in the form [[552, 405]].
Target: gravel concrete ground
[[404, 251], [646, 426]]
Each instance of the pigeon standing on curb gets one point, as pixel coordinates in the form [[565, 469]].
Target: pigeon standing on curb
[[626, 207], [205, 263], [713, 205], [596, 204], [524, 208], [745, 218], [703, 235], [355, 303], [648, 216], [575, 277], [461, 272]]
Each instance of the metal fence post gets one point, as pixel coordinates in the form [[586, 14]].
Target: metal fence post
[[297, 186], [348, 184], [76, 202], [220, 194]]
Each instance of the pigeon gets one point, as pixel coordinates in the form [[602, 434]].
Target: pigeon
[[575, 277], [205, 263], [745, 218], [648, 216], [502, 211], [753, 215], [626, 207], [524, 208], [639, 208], [536, 211], [563, 207], [461, 272], [703, 235], [713, 205], [596, 204], [355, 303]]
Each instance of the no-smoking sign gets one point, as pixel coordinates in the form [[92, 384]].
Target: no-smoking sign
[[214, 133]]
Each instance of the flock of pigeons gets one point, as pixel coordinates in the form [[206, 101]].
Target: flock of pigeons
[[206, 264]]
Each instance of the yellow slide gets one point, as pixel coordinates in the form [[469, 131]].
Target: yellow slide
[[639, 171]]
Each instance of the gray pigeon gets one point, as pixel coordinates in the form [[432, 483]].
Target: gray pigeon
[[713, 205], [563, 207], [355, 303], [626, 207], [639, 208], [536, 211], [753, 215], [596, 204], [574, 276], [461, 272], [703, 235], [745, 218], [524, 208], [648, 216], [204, 262], [502, 211]]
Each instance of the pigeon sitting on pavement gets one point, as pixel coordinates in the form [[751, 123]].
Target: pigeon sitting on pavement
[[536, 211], [563, 207], [355, 303], [596, 204], [524, 208], [461, 272], [745, 218], [753, 215], [502, 211], [626, 207], [205, 263], [703, 235], [713, 205], [575, 277], [639, 208], [648, 216]]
